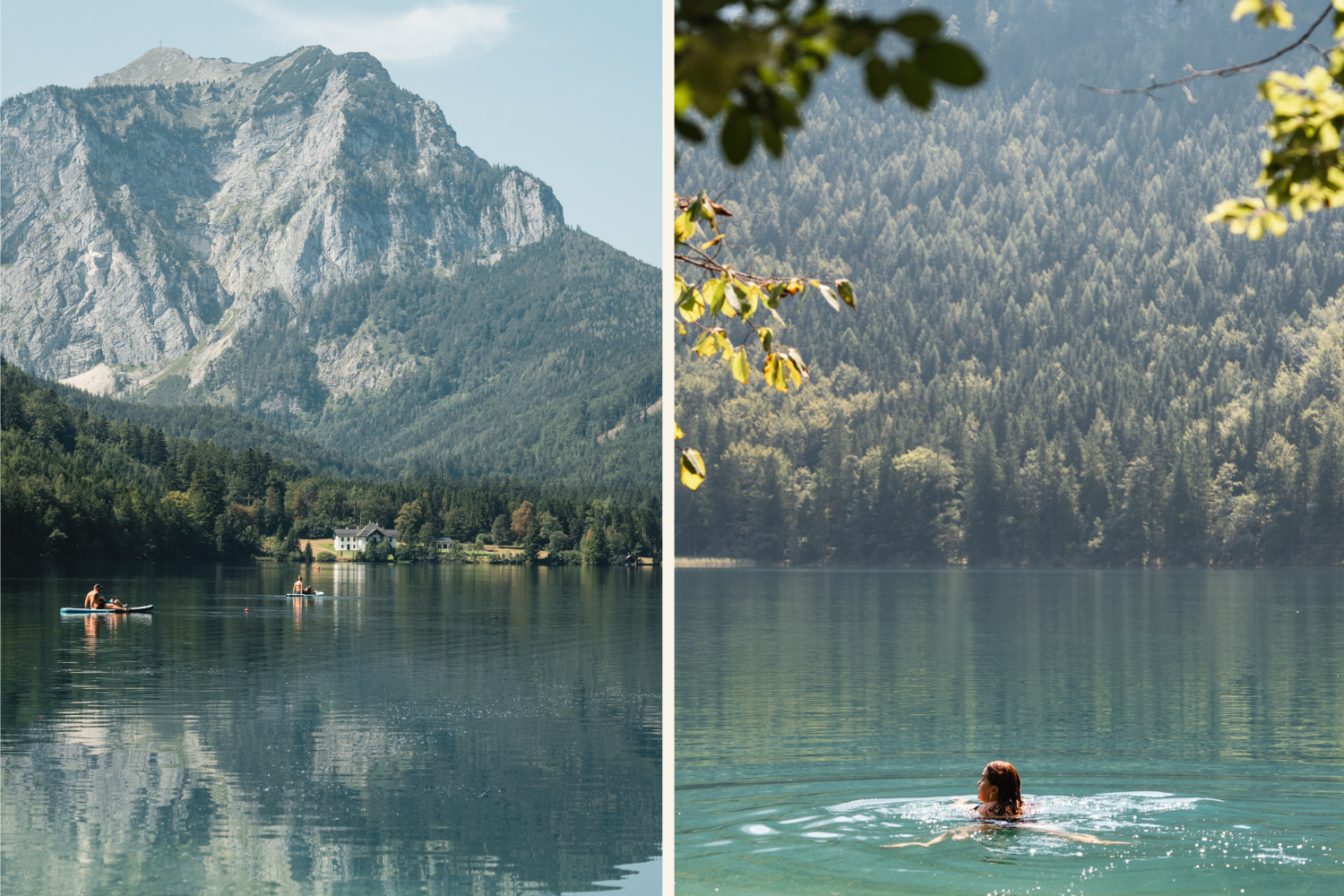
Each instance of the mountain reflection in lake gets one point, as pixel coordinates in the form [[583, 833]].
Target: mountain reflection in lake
[[428, 729]]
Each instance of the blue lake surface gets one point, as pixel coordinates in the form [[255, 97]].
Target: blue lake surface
[[1195, 716], [420, 729]]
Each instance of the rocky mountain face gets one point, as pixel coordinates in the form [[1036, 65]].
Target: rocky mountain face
[[303, 242], [152, 215]]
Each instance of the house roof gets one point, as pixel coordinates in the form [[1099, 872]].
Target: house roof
[[364, 532]]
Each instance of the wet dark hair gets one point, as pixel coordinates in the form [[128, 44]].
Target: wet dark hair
[[1003, 776]]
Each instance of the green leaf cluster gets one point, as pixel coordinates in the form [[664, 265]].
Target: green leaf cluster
[[748, 66], [716, 296], [1304, 171]]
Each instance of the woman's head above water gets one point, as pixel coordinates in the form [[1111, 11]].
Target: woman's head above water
[[1000, 796], [1000, 791]]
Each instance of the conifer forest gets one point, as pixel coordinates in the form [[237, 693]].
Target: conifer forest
[[93, 484], [1054, 360]]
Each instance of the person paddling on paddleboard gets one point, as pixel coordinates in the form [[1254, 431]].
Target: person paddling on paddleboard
[[298, 586]]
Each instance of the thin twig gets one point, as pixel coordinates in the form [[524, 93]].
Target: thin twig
[[709, 264], [1220, 72]]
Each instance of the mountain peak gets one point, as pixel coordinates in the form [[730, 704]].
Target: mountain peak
[[183, 204], [169, 65]]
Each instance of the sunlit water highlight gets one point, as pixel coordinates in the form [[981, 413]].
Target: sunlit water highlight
[[834, 714]]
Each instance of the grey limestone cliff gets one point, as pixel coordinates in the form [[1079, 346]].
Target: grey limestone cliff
[[147, 216]]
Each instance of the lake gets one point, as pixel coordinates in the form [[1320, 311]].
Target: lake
[[418, 729], [1197, 717]]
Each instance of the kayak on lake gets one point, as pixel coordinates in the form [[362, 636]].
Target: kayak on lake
[[107, 610]]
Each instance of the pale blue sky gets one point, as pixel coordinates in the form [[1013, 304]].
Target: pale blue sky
[[568, 90]]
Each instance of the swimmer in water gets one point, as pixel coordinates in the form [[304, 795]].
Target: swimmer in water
[[1000, 791], [1000, 795]]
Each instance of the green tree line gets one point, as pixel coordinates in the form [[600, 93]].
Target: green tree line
[[75, 484]]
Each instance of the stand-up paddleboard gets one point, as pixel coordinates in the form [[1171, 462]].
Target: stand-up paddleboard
[[108, 611], [314, 594]]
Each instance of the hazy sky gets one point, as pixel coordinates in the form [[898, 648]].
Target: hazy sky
[[568, 90]]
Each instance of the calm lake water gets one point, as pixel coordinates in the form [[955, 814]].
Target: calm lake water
[[421, 729], [1198, 717]]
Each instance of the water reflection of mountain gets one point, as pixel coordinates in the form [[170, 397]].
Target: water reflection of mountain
[[505, 738]]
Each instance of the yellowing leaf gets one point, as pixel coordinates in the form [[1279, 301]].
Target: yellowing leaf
[[733, 293], [692, 306], [774, 373], [741, 369], [846, 290], [682, 97], [704, 206], [705, 345], [771, 296], [751, 300], [713, 295], [797, 360], [1329, 136], [1266, 14], [1247, 8], [724, 345], [676, 431], [692, 468], [684, 227]]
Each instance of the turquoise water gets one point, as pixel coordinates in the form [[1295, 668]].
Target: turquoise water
[[433, 729], [1196, 717]]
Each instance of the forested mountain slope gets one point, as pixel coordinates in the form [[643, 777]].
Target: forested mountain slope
[[519, 367], [224, 427], [1054, 360]]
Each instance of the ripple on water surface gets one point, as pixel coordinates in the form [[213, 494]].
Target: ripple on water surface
[[825, 837], [1192, 715]]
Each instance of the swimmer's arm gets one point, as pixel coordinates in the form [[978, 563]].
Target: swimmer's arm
[[1069, 835], [960, 833]]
